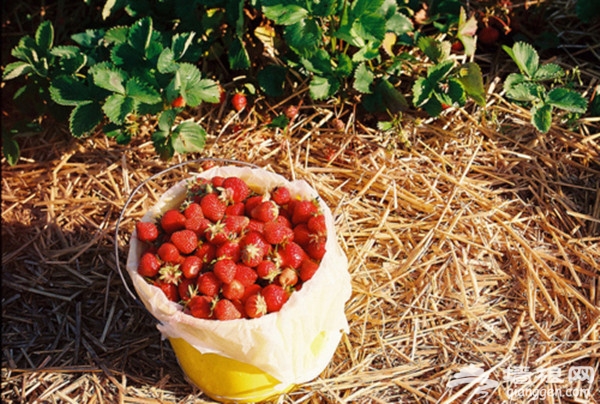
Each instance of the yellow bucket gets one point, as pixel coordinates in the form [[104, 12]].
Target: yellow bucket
[[224, 379]]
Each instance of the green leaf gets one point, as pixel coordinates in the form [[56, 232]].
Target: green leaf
[[434, 49], [471, 78], [541, 117], [513, 80], [595, 104], [44, 35], [72, 65], [362, 7], [345, 65], [363, 78], [167, 120], [166, 62], [188, 137], [181, 43], [285, 14], [392, 99], [140, 34], [281, 121], [65, 51], [567, 100], [433, 107], [525, 56], [110, 6], [456, 92], [116, 35], [189, 84], [303, 37], [525, 92], [117, 107], [108, 77], [85, 118], [271, 80], [67, 90], [322, 87], [367, 52], [399, 24], [162, 144], [238, 56], [319, 63], [549, 71], [142, 92], [422, 91], [10, 148], [370, 27], [322, 8], [439, 71], [16, 69], [466, 32]]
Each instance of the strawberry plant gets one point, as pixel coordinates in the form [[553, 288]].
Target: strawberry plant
[[529, 87]]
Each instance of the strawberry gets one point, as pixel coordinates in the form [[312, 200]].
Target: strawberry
[[235, 224], [253, 289], [267, 269], [208, 284], [225, 310], [488, 35], [316, 225], [191, 266], [265, 211], [178, 102], [316, 249], [275, 297], [170, 274], [217, 181], [146, 231], [302, 235], [307, 269], [252, 202], [277, 233], [237, 189], [237, 209], [187, 289], [229, 250], [291, 255], [212, 207], [224, 270], [246, 275], [169, 289], [239, 101], [197, 224], [304, 210], [185, 240], [172, 220], [206, 252], [149, 265], [169, 253], [200, 306], [287, 278], [255, 306], [281, 195], [193, 210], [255, 225], [254, 248], [217, 233], [291, 112], [457, 46], [233, 290]]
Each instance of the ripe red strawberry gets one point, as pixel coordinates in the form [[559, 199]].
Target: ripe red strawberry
[[149, 265], [252, 202], [488, 35], [224, 270], [237, 189], [251, 290], [191, 266], [316, 249], [187, 289], [275, 297], [302, 234], [178, 102], [303, 211], [193, 210], [225, 310], [197, 224], [281, 195], [236, 224], [170, 274], [206, 252], [291, 255], [209, 284], [457, 46], [308, 268], [254, 248], [239, 101], [233, 290], [146, 231], [217, 233], [277, 233], [172, 220], [246, 275], [255, 306], [200, 306], [237, 209], [212, 207], [265, 211], [288, 278], [316, 225], [169, 289], [268, 270], [217, 181], [169, 253], [185, 240], [255, 225], [229, 250]]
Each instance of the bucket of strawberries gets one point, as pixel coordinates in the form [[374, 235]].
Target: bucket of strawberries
[[242, 269]]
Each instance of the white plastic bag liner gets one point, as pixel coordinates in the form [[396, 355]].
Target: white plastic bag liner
[[277, 343]]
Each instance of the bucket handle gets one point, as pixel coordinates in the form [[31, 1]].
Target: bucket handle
[[116, 240]]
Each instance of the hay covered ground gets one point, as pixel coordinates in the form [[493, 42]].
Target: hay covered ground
[[478, 244]]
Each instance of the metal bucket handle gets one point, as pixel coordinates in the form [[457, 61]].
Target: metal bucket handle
[[116, 243]]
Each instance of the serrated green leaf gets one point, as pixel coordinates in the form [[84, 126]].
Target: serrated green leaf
[[67, 90], [65, 51], [281, 121], [466, 32], [439, 71], [541, 117], [117, 107], [385, 125], [525, 92], [188, 137], [362, 7], [319, 63], [285, 14], [110, 6], [399, 24], [513, 80], [10, 149], [72, 65], [189, 84], [323, 87], [181, 43], [392, 99], [110, 78], [90, 38], [140, 34], [345, 66], [433, 107], [125, 55], [303, 37], [422, 91], [549, 71], [433, 48], [16, 69], [456, 92], [363, 78], [166, 120], [142, 92], [322, 8], [526, 58], [367, 52], [271, 80], [471, 78], [166, 62], [370, 27], [567, 100], [85, 118], [44, 35], [238, 56], [162, 144], [117, 35]]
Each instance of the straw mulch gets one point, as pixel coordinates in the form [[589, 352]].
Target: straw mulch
[[478, 244]]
